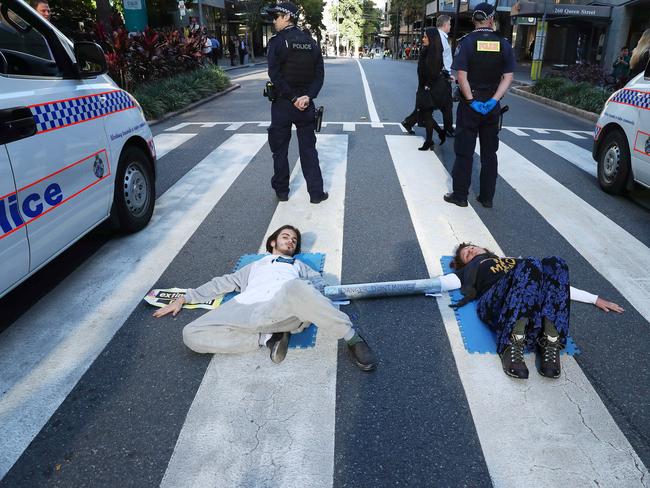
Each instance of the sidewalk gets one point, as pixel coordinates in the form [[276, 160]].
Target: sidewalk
[[224, 63]]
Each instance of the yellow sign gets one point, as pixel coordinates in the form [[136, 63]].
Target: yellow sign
[[488, 46]]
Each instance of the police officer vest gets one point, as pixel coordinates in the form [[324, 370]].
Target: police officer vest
[[486, 62], [299, 67]]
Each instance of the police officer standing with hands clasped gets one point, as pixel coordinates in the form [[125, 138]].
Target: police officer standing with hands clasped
[[296, 70], [485, 64]]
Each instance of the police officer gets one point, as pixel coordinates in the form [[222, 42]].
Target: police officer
[[485, 64], [296, 70]]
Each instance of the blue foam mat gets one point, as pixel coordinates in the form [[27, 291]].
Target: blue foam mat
[[477, 336], [316, 261]]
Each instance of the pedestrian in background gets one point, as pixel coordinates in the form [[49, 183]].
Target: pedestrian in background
[[243, 51], [297, 72], [485, 64], [42, 7], [430, 89], [640, 55], [621, 67], [443, 23], [231, 50]]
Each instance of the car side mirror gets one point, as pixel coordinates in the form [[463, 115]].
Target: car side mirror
[[91, 61]]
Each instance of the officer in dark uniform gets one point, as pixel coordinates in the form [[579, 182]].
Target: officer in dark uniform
[[296, 70], [485, 64]]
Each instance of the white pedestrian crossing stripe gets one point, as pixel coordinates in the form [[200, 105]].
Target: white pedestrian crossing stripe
[[42, 359], [248, 414], [573, 153], [527, 131], [243, 427], [512, 419]]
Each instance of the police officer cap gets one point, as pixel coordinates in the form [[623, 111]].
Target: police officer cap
[[285, 8], [483, 11]]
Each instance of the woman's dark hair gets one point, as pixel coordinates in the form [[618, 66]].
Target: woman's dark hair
[[274, 237], [456, 262]]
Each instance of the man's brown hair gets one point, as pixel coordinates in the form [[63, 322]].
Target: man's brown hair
[[274, 237]]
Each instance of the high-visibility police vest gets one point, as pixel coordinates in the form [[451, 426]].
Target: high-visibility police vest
[[299, 67]]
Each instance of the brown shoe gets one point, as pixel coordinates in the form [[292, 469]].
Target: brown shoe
[[363, 356], [278, 344]]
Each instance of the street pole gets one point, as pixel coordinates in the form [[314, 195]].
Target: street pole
[[200, 14], [337, 29], [538, 53]]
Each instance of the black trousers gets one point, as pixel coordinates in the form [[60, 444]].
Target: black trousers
[[283, 115], [425, 119], [469, 124], [447, 109]]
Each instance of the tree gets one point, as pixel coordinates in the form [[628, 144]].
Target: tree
[[312, 11], [349, 14], [253, 19], [67, 14]]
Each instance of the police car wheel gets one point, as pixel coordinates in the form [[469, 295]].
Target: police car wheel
[[134, 190], [614, 163]]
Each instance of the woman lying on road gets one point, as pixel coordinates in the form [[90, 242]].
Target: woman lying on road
[[524, 300]]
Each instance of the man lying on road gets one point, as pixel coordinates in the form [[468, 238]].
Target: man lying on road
[[279, 295]]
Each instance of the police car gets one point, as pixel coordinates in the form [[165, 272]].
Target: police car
[[75, 150], [622, 137]]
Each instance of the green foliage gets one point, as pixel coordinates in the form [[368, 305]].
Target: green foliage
[[179, 91], [67, 14], [312, 11], [581, 95]]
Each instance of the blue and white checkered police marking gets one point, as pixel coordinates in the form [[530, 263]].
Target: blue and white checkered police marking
[[633, 97], [55, 115]]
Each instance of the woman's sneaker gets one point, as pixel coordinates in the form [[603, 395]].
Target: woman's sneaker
[[512, 357], [548, 356]]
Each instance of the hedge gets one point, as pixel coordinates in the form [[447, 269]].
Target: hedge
[[177, 92], [581, 95]]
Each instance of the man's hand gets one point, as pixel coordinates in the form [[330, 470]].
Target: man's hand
[[606, 306], [489, 105], [172, 308], [302, 103], [477, 106]]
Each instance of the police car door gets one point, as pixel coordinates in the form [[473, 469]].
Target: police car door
[[60, 167], [641, 152], [14, 251]]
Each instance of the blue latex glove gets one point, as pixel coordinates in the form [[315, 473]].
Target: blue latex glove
[[489, 105], [478, 107]]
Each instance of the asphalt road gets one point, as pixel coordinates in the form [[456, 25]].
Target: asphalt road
[[418, 420]]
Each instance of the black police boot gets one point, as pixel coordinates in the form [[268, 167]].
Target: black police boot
[[278, 344], [451, 198], [408, 127], [485, 203], [547, 358], [361, 354], [321, 198], [282, 196], [512, 357]]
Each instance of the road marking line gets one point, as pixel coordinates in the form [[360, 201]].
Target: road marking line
[[43, 359], [235, 126], [165, 143], [372, 110], [252, 421], [609, 249], [348, 127], [541, 131], [573, 153], [575, 444], [187, 124], [571, 133]]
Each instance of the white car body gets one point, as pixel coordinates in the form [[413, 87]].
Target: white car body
[[628, 112], [58, 183]]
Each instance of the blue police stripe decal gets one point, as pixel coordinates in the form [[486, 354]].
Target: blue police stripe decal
[[633, 97], [55, 115]]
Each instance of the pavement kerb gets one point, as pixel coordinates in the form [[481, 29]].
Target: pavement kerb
[[169, 115], [522, 91]]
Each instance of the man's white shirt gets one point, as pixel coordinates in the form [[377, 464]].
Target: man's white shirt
[[266, 278], [446, 50]]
